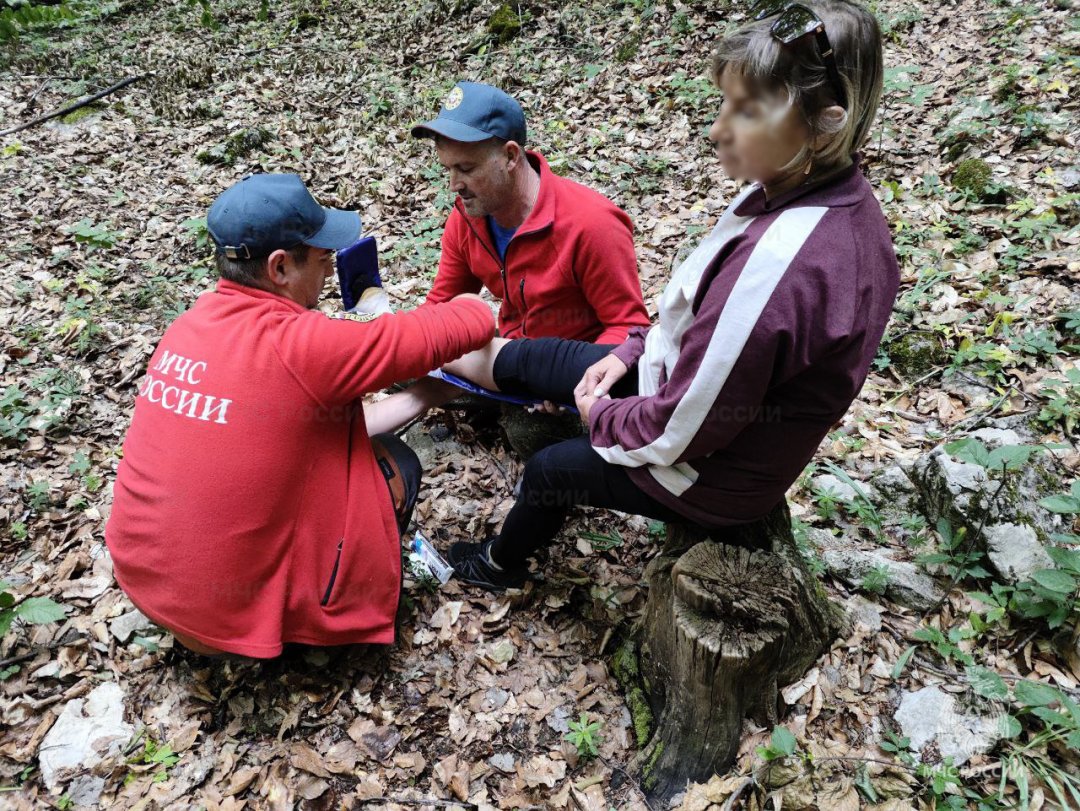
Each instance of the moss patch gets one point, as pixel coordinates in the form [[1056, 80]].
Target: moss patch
[[629, 49], [974, 177], [504, 24], [83, 112], [915, 353], [648, 771], [627, 672], [238, 145]]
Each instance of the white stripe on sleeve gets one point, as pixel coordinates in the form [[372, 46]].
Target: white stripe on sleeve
[[768, 262]]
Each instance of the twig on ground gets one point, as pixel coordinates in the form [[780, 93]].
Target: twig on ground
[[427, 801], [41, 119], [747, 782], [33, 99]]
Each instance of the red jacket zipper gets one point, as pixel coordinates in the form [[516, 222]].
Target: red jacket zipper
[[502, 268]]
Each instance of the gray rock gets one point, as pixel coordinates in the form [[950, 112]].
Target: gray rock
[[965, 495], [127, 624], [996, 437], [1070, 178], [829, 483], [864, 612], [930, 716], [1015, 551], [959, 478], [892, 484], [823, 539], [88, 731], [427, 449], [907, 585]]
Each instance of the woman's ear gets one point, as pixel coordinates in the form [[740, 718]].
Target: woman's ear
[[275, 268], [831, 120]]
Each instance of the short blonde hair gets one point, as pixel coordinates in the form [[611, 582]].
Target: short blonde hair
[[767, 65]]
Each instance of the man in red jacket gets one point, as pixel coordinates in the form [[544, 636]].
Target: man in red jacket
[[559, 256], [256, 502]]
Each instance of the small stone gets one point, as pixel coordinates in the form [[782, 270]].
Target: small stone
[[1070, 178], [1015, 551], [930, 716], [494, 699], [865, 613], [503, 761], [557, 720], [87, 731], [127, 624]]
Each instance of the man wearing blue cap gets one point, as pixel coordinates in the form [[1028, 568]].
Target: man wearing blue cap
[[559, 256], [257, 503]]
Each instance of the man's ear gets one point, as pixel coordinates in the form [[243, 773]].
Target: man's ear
[[276, 268], [514, 154]]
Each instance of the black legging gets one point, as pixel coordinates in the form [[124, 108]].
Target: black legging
[[568, 473]]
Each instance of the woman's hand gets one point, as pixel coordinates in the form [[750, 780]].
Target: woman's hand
[[600, 377], [597, 383]]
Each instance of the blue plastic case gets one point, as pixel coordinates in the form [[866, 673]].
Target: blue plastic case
[[357, 270]]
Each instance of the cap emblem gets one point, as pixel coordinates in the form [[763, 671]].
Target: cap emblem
[[454, 99]]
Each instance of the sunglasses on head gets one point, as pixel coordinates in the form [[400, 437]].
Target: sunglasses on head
[[795, 22]]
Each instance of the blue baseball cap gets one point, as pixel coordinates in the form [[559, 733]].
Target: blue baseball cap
[[475, 112], [262, 213]]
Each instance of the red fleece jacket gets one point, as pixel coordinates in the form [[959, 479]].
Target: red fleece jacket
[[249, 509], [570, 270]]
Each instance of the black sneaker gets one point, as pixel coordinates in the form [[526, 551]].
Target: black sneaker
[[472, 564]]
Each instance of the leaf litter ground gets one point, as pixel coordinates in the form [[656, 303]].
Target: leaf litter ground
[[104, 243]]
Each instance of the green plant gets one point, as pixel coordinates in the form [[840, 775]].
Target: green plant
[[781, 744], [1062, 406], [93, 235], [37, 495], [81, 327], [585, 736], [33, 610], [1004, 459], [947, 643], [197, 230], [1051, 719], [955, 554], [81, 467], [206, 16], [1049, 596], [19, 17], [876, 580], [603, 543], [859, 507], [153, 754]]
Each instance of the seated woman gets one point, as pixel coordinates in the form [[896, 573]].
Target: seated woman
[[766, 332]]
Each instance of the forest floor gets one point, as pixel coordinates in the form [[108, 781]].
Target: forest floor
[[103, 243]]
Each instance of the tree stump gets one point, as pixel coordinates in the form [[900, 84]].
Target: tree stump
[[730, 619]]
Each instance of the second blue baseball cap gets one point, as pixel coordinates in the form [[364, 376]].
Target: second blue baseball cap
[[266, 212], [475, 112]]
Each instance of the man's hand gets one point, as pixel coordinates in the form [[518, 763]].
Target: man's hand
[[462, 296], [599, 378]]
